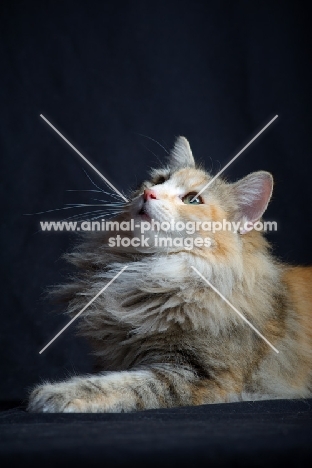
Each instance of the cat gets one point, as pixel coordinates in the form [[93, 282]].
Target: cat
[[162, 337]]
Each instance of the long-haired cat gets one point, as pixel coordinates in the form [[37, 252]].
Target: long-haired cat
[[161, 336]]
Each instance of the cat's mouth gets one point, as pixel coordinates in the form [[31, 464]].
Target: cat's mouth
[[144, 213]]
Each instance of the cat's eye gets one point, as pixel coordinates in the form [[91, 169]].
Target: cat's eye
[[192, 199], [160, 180]]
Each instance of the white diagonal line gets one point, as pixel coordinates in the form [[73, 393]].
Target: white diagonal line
[[234, 308], [235, 157], [85, 307], [85, 159]]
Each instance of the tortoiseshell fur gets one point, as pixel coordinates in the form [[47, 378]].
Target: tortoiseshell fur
[[161, 336]]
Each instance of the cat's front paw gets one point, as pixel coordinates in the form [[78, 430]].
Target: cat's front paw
[[55, 398]]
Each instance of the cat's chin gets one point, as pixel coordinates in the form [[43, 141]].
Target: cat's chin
[[143, 216]]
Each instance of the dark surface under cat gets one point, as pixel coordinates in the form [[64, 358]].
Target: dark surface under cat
[[264, 433]]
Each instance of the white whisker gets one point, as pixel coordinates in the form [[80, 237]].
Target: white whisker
[[83, 190], [155, 141], [81, 205], [101, 190]]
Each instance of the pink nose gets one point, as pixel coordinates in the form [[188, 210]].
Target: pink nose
[[149, 195]]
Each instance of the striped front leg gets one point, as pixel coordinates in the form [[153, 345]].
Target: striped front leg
[[155, 386]]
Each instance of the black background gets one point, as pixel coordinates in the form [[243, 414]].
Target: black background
[[105, 72]]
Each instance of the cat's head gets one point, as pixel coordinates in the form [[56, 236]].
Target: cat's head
[[180, 194]]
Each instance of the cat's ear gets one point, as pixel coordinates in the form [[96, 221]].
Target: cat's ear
[[253, 194], [181, 155]]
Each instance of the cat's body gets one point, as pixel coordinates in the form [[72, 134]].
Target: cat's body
[[164, 338]]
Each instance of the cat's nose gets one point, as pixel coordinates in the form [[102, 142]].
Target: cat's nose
[[149, 195]]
